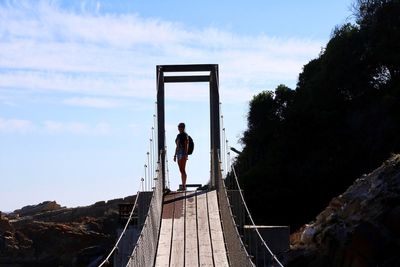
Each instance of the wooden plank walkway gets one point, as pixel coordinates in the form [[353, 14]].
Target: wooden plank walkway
[[191, 232], [217, 237], [191, 251], [164, 241], [203, 232], [178, 232]]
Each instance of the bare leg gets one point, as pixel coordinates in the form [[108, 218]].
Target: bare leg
[[182, 169]]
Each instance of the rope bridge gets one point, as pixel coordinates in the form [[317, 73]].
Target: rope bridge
[[194, 228]]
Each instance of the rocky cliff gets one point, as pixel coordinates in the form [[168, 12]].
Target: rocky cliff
[[50, 235], [360, 228]]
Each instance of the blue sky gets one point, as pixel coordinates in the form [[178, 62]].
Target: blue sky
[[77, 85]]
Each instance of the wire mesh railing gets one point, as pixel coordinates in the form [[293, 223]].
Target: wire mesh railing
[[262, 253], [150, 181], [257, 249], [231, 195], [145, 250], [237, 253]]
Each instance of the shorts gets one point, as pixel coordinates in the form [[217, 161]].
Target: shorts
[[181, 154]]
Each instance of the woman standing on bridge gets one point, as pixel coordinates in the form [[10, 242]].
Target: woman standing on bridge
[[181, 152]]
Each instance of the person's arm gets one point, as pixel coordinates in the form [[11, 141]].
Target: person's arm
[[176, 148], [186, 146]]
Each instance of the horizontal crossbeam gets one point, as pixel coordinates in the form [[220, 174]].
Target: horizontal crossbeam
[[186, 79], [183, 68]]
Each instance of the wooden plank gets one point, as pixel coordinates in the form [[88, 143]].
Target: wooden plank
[[164, 242], [178, 232], [191, 253], [203, 232], [217, 238]]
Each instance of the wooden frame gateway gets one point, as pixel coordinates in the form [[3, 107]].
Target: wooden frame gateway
[[212, 78]]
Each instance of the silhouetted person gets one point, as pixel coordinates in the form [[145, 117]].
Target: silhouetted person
[[181, 152]]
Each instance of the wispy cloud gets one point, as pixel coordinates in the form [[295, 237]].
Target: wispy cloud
[[56, 127], [21, 126], [92, 102], [15, 126], [46, 48]]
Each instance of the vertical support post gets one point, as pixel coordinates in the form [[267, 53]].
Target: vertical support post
[[214, 127], [161, 121]]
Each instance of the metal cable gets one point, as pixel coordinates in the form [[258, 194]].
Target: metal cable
[[237, 254], [122, 233], [145, 250], [251, 219], [167, 171], [146, 184], [240, 191]]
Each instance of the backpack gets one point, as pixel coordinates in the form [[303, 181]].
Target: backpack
[[191, 145]]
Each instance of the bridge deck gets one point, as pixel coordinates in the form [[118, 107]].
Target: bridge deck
[[191, 232]]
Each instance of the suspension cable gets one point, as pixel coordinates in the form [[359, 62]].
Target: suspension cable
[[225, 149], [122, 233], [251, 219], [167, 171], [146, 183]]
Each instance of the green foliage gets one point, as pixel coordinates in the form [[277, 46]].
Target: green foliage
[[304, 146]]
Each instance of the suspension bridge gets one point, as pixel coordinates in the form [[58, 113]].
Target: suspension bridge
[[206, 226]]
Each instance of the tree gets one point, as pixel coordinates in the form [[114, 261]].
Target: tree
[[307, 145]]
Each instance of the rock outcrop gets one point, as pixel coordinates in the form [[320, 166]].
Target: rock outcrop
[[360, 228], [50, 235], [36, 209]]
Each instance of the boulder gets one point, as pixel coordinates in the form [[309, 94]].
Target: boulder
[[359, 228]]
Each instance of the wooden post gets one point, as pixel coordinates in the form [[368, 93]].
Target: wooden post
[[214, 126], [161, 121]]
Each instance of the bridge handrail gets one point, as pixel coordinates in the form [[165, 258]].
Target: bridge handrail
[[236, 250], [145, 250], [251, 218]]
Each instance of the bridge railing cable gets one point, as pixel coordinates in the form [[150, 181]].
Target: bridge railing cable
[[167, 169], [273, 256], [149, 182], [145, 250], [261, 255], [236, 250], [115, 247]]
